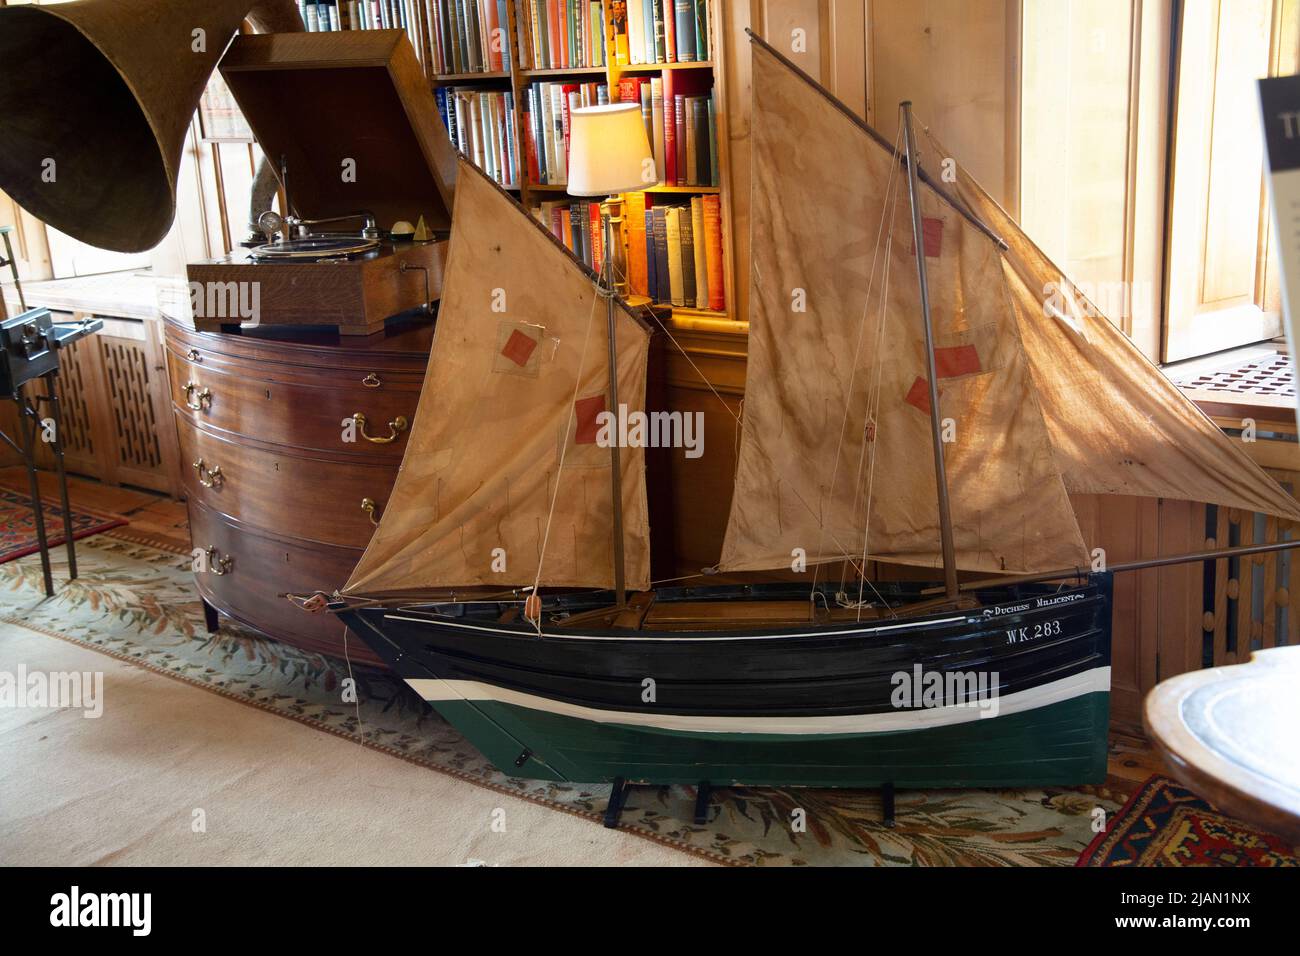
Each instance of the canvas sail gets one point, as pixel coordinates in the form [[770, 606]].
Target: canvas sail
[[520, 325], [811, 447], [1045, 397], [1117, 424]]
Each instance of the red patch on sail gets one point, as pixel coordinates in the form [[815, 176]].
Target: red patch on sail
[[586, 410], [932, 234], [918, 396], [957, 360], [519, 348]]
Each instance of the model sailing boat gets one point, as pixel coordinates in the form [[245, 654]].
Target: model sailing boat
[[505, 490]]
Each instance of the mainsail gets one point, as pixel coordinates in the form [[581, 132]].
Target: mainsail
[[835, 452], [517, 377]]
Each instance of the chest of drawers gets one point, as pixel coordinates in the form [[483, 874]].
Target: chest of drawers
[[290, 444]]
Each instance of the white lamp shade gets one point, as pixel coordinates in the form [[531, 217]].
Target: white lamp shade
[[608, 151]]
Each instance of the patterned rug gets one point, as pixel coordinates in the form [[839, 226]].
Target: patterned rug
[[18, 524], [1165, 824], [137, 603]]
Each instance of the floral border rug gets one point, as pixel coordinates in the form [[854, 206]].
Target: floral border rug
[[137, 603]]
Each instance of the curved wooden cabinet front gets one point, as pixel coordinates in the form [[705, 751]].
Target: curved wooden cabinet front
[[284, 481]]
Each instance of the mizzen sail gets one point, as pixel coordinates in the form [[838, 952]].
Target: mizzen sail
[[517, 378], [835, 456]]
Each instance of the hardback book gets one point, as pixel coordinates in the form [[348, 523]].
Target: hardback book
[[713, 252], [663, 292], [688, 257], [715, 175], [636, 31], [679, 114], [597, 236], [634, 226], [673, 233], [702, 31], [701, 166], [684, 30], [660, 47], [651, 281], [701, 259], [670, 31], [692, 159], [659, 142]]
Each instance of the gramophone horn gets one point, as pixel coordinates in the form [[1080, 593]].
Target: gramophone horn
[[96, 98]]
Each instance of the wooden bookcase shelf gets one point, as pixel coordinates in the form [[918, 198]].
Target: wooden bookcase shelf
[[520, 78]]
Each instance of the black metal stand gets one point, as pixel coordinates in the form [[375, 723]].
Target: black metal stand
[[703, 794], [29, 429], [617, 800], [887, 803]]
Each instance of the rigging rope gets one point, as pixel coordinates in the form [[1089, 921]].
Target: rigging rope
[[886, 211]]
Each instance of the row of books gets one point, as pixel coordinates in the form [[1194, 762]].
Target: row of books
[[662, 31], [468, 36], [561, 34], [481, 124], [674, 248], [546, 126], [324, 16], [680, 115]]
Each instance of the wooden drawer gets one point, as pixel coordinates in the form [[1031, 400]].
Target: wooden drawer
[[286, 407], [285, 491], [262, 568]]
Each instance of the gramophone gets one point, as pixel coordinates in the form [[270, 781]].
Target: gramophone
[[96, 98]]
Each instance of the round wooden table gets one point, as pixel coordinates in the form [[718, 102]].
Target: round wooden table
[[1232, 735]]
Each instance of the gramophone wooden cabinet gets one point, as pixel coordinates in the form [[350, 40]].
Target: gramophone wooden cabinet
[[282, 488]]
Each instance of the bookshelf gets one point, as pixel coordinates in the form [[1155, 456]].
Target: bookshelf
[[432, 24]]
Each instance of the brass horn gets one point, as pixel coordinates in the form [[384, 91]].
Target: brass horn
[[96, 98]]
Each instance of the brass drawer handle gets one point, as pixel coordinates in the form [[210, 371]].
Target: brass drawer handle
[[368, 506], [395, 429], [194, 356], [372, 381], [209, 477], [199, 401], [218, 564]]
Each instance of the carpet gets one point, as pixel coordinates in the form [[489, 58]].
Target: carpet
[[18, 524], [1165, 824], [137, 603]]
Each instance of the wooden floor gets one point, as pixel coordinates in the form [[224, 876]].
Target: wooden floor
[[158, 518]]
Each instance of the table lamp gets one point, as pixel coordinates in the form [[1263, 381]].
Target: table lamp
[[609, 154]]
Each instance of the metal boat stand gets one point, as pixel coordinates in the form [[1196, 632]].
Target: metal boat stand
[[30, 425], [887, 804], [621, 788]]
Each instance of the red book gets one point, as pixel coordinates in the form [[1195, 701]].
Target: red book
[[493, 24], [530, 147], [553, 31], [670, 129], [670, 32], [713, 251]]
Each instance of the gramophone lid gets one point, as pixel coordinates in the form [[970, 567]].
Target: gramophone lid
[[354, 118]]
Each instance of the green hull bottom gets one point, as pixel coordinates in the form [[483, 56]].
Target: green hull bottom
[[1060, 744]]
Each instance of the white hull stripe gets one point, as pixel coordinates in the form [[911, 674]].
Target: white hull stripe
[[1097, 679], [661, 636]]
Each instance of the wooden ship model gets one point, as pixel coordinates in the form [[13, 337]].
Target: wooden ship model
[[925, 314]]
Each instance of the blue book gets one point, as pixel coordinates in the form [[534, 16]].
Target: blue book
[[684, 11], [648, 31], [663, 292]]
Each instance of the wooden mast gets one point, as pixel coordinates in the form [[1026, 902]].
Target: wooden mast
[[936, 432], [607, 289]]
